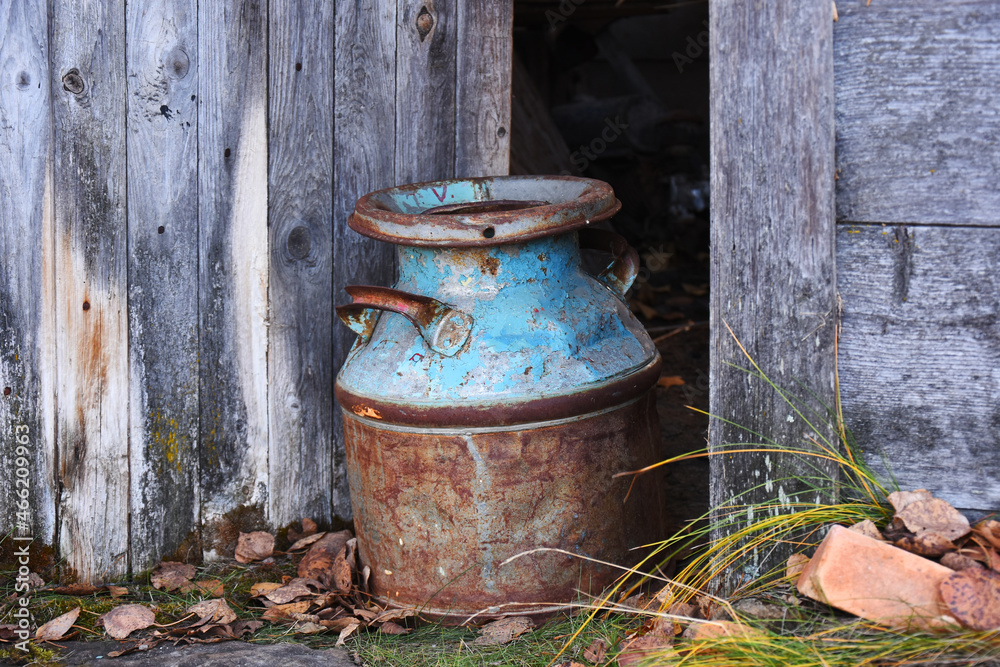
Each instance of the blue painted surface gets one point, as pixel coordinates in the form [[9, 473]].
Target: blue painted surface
[[542, 327]]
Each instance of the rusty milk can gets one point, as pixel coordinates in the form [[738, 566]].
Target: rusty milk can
[[493, 393]]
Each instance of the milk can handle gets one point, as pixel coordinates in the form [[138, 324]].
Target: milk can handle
[[622, 271], [443, 328]]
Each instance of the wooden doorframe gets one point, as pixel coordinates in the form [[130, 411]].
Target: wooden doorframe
[[773, 247]]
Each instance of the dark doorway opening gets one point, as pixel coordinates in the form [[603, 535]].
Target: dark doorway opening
[[618, 90]]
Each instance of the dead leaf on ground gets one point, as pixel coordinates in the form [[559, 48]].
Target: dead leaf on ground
[[296, 588], [57, 628], [122, 621], [76, 590], [638, 651], [264, 587], [935, 516], [929, 545], [254, 546], [990, 531], [714, 629], [216, 611], [596, 651], [306, 541], [868, 529], [668, 381], [795, 564], [280, 612], [959, 562], [973, 596], [170, 576], [391, 628], [117, 591], [503, 630], [307, 628], [900, 499], [571, 663], [318, 563], [210, 588], [347, 632], [309, 528]]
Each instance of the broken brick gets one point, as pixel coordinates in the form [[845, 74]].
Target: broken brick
[[876, 581]]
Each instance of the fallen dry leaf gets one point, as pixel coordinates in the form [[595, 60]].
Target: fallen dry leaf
[[571, 663], [117, 591], [309, 528], [296, 588], [264, 587], [347, 632], [76, 590], [900, 499], [120, 622], [503, 630], [990, 531], [318, 563], [794, 566], [935, 516], [959, 562], [868, 528], [930, 545], [973, 596], [170, 576], [58, 627], [306, 541], [254, 546], [281, 612], [713, 629], [638, 651], [216, 611], [307, 628], [668, 381], [339, 577], [210, 588], [391, 628], [596, 651]]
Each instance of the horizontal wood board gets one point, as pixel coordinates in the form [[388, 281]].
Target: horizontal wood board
[[919, 355], [918, 123]]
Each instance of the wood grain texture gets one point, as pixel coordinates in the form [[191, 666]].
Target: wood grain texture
[[233, 257], [773, 264], [300, 211], [920, 355], [365, 87], [88, 87], [27, 290], [162, 67], [917, 85], [483, 87], [425, 89]]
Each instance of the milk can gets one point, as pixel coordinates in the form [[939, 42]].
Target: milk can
[[491, 396]]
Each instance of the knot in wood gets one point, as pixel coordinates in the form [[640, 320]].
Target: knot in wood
[[23, 80], [178, 62], [73, 82], [299, 242], [425, 23]]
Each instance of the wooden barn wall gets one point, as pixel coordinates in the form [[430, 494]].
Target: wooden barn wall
[[175, 181], [918, 240]]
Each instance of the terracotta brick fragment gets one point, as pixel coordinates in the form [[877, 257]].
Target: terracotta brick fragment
[[876, 581]]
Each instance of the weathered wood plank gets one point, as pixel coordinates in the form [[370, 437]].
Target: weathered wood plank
[[365, 87], [917, 86], [162, 67], [88, 86], [233, 263], [773, 265], [425, 89], [920, 355], [27, 289], [483, 87], [300, 183]]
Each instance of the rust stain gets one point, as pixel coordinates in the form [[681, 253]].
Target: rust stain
[[365, 411]]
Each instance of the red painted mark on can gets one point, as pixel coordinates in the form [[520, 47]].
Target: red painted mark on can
[[444, 192], [416, 356]]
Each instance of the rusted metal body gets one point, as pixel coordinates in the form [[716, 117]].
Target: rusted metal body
[[492, 394]]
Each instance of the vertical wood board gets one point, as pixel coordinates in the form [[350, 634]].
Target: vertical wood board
[[162, 67], [483, 87], [300, 212], [920, 355], [233, 264], [92, 393], [27, 290], [425, 90], [918, 122], [773, 269]]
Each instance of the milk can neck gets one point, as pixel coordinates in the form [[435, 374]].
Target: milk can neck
[[488, 267]]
